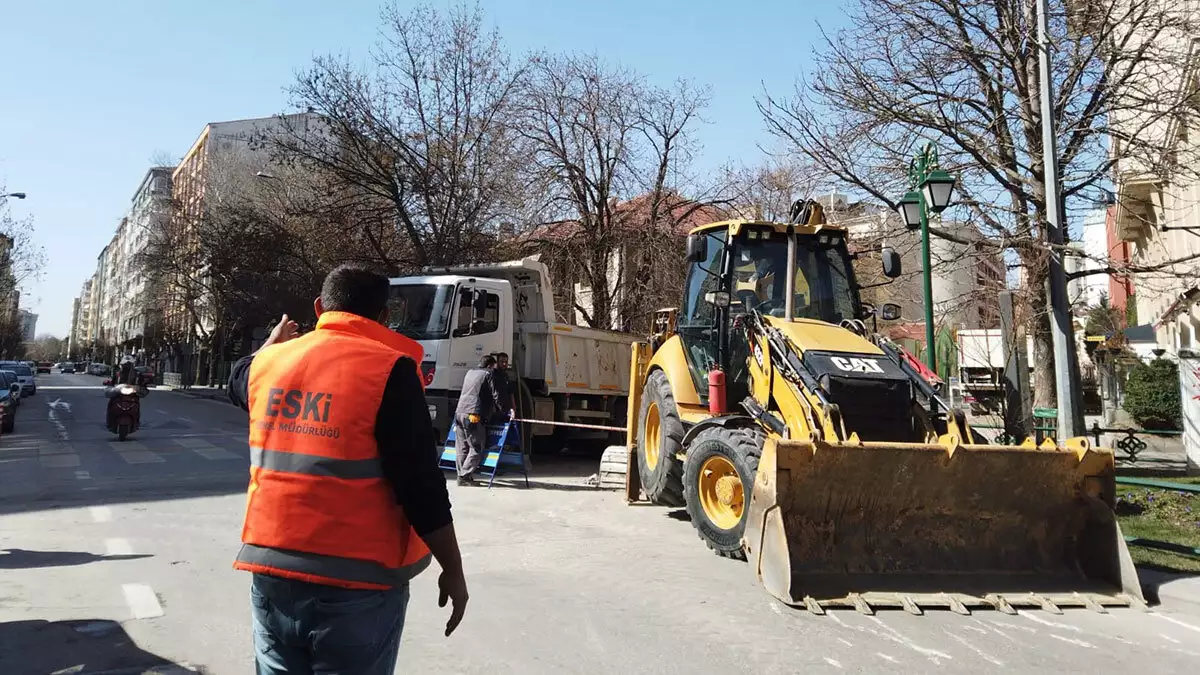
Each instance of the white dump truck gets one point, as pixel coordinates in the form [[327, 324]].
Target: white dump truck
[[981, 368], [559, 372]]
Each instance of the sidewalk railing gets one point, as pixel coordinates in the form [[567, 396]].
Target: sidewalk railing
[[1130, 444]]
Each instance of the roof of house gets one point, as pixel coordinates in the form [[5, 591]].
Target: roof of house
[[681, 215]]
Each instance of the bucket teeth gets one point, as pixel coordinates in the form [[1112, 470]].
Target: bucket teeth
[[910, 606], [813, 606], [1001, 604], [861, 605]]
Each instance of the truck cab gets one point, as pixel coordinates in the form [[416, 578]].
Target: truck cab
[[457, 320], [559, 373]]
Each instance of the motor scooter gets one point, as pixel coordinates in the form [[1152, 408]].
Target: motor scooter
[[124, 409]]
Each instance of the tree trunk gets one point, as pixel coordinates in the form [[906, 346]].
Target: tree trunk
[[1044, 393]]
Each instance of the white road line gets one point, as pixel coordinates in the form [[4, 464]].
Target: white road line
[[135, 453], [1073, 641], [1168, 638], [982, 654], [932, 654], [82, 475], [832, 662], [846, 642], [206, 449], [1053, 624], [885, 657], [142, 601], [61, 460], [101, 514], [1177, 622], [118, 547], [160, 411]]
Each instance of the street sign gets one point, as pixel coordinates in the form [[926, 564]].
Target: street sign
[[1046, 413]]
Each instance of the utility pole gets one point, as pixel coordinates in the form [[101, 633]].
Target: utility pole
[[1066, 360]]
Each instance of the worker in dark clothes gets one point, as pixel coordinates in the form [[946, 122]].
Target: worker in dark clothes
[[503, 387], [346, 502], [477, 402]]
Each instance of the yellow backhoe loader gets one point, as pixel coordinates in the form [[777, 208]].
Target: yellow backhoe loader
[[800, 441]]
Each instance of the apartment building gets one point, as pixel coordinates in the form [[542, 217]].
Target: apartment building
[[28, 321], [148, 212]]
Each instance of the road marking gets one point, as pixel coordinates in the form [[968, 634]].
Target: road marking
[[933, 654], [186, 420], [205, 448], [117, 547], [82, 475], [58, 460], [885, 657], [1177, 622], [56, 405], [832, 662], [160, 411], [1053, 624], [142, 601], [101, 514], [1073, 641], [846, 642], [1168, 638], [135, 453], [982, 654]]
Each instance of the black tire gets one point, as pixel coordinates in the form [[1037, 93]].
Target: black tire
[[122, 432], [9, 426], [741, 447], [662, 481]]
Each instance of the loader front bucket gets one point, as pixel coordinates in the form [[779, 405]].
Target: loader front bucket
[[917, 525]]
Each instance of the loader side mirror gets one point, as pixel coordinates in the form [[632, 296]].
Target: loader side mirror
[[697, 248], [891, 263], [890, 311]]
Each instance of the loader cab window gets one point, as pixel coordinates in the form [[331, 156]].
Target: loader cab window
[[824, 282], [698, 323]]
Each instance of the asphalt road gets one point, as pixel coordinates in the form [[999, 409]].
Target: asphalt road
[[115, 557]]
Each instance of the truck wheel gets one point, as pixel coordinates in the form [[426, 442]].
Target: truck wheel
[[718, 480], [660, 438]]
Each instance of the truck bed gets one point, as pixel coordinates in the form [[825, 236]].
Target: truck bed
[[574, 359]]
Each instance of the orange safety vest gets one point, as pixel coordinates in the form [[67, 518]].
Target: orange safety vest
[[319, 508]]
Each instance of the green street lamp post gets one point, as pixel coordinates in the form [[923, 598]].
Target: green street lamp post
[[929, 189]]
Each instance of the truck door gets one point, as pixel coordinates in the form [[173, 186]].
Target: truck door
[[477, 327]]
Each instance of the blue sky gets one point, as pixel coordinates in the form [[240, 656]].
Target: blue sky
[[90, 91]]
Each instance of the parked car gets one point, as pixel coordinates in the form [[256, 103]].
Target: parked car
[[44, 367], [101, 369], [66, 368], [8, 408], [10, 383], [24, 375], [145, 375]]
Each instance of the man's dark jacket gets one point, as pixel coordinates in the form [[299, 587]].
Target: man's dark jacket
[[479, 395]]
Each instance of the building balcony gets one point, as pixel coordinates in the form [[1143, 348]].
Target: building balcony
[[1137, 207]]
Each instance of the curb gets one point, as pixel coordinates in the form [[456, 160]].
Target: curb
[[1170, 589]]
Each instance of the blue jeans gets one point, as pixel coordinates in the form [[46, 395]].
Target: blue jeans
[[303, 628]]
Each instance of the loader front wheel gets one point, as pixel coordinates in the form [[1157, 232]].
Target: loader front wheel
[[659, 440], [718, 479]]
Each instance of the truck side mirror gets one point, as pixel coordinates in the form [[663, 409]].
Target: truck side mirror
[[890, 311], [697, 248], [891, 263]]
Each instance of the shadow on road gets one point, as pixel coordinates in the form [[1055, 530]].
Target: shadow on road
[[21, 559], [91, 646], [124, 491]]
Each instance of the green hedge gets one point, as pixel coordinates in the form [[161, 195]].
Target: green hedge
[[1152, 394]]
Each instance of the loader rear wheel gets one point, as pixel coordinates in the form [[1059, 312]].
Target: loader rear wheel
[[659, 441], [718, 480]]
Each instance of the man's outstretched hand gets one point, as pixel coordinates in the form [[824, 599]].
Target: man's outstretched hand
[[283, 331], [453, 587]]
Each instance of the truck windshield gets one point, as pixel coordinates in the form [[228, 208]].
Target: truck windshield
[[421, 311], [824, 287]]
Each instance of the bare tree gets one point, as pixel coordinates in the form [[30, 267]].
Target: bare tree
[[21, 261], [597, 135], [963, 73], [419, 141]]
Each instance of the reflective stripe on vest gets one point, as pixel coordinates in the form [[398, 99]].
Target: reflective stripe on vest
[[318, 507], [310, 565], [315, 465]]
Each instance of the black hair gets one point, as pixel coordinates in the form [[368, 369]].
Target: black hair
[[487, 361], [501, 355], [357, 289]]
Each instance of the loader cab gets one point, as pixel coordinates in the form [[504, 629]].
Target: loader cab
[[737, 267]]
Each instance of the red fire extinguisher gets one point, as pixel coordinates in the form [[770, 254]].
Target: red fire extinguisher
[[716, 391]]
